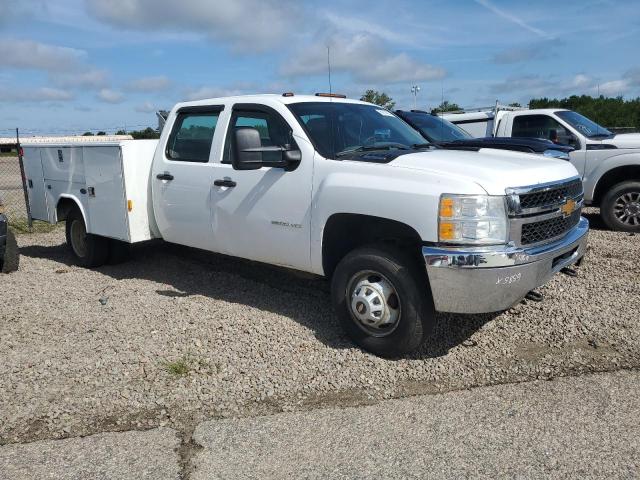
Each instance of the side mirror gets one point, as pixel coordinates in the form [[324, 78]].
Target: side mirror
[[250, 154], [247, 155]]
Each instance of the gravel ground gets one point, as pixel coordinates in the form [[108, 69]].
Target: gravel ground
[[175, 336]]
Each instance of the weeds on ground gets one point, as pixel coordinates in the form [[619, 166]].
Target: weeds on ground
[[179, 367], [21, 226]]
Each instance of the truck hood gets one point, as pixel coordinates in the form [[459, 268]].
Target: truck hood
[[624, 140], [494, 170]]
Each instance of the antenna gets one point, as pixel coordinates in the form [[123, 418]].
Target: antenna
[[441, 108], [329, 67]]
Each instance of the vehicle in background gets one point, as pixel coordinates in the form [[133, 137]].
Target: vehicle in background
[[9, 253], [445, 134], [608, 163], [335, 187]]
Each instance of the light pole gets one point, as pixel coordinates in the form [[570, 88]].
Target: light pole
[[415, 89]]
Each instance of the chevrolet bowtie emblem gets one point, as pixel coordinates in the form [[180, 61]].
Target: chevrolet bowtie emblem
[[568, 207]]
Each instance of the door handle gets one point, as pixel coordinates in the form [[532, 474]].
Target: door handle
[[224, 183], [164, 176]]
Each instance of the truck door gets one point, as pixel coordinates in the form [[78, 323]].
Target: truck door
[[182, 178], [264, 214]]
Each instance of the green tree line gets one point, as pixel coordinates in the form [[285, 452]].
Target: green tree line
[[607, 111]]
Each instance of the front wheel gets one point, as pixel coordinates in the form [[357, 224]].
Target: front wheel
[[620, 207], [382, 298], [88, 250]]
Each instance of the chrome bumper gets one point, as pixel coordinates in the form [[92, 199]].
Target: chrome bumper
[[490, 279]]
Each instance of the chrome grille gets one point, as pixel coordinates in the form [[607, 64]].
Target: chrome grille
[[552, 195], [536, 232], [538, 213]]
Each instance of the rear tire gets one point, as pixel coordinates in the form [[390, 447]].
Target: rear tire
[[620, 207], [382, 298], [88, 250], [11, 260]]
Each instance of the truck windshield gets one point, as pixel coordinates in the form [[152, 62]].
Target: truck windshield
[[338, 129], [436, 129], [585, 126]]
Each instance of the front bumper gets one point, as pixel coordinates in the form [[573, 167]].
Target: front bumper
[[491, 279]]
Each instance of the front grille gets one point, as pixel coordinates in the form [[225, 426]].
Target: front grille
[[536, 232], [552, 196]]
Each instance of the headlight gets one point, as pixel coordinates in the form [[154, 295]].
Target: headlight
[[556, 154], [479, 219]]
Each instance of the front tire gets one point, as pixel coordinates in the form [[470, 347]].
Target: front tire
[[88, 250], [382, 298], [620, 207]]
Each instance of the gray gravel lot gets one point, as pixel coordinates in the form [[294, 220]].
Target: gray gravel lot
[[176, 336]]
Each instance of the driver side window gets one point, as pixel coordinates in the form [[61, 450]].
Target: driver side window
[[542, 126]]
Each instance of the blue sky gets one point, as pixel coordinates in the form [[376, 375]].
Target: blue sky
[[67, 66]]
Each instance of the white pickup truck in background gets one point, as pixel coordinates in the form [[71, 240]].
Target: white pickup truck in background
[[335, 187], [609, 163]]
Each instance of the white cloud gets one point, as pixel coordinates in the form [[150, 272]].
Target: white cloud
[[614, 88], [93, 78], [149, 84], [362, 55], [200, 93], [146, 107], [110, 96], [255, 25], [43, 94], [581, 81], [27, 54]]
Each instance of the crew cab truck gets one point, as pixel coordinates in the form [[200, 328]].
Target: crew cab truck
[[335, 187], [608, 163]]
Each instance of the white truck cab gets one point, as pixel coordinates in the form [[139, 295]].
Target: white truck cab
[[608, 163], [331, 186]]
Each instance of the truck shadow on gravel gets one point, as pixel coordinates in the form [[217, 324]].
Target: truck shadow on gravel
[[302, 297]]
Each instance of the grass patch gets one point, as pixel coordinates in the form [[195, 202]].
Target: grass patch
[[179, 367], [21, 226]]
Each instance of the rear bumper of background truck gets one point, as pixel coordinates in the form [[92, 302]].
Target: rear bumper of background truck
[[490, 279]]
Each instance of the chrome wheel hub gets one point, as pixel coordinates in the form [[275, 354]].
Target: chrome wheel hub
[[374, 303], [627, 208], [79, 238]]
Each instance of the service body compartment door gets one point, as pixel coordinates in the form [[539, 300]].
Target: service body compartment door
[[107, 205], [63, 164], [35, 183]]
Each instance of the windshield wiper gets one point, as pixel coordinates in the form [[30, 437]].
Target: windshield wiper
[[371, 148], [421, 145]]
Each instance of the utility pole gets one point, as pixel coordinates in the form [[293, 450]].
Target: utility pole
[[415, 89]]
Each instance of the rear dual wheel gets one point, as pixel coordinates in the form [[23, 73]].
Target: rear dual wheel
[[382, 298]]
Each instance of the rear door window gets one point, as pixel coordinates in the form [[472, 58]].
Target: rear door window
[[191, 137]]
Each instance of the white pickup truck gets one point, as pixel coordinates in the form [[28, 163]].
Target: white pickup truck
[[335, 187], [609, 164]]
